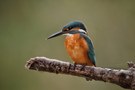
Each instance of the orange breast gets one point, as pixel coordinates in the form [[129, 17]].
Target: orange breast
[[77, 48]]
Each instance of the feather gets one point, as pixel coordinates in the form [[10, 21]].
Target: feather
[[91, 53]]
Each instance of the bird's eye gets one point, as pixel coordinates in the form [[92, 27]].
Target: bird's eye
[[70, 28]]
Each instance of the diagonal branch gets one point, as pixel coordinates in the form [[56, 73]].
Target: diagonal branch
[[123, 78]]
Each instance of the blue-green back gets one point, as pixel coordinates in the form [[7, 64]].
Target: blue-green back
[[91, 53]]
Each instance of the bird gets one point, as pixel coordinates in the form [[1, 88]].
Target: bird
[[78, 44]]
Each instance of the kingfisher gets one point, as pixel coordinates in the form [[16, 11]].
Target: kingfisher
[[77, 42]]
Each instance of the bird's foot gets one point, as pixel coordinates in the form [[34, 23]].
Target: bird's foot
[[82, 68], [74, 66], [68, 69]]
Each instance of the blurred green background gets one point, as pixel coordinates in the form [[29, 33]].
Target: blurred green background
[[25, 25]]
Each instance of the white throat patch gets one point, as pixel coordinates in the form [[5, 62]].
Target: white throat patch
[[68, 34]]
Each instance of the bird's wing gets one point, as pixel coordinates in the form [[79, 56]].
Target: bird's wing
[[91, 53]]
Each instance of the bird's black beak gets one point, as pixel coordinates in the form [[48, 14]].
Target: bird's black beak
[[56, 34]]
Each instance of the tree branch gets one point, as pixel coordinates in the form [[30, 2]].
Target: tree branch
[[123, 78]]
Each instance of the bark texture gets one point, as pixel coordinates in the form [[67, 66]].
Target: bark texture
[[121, 77]]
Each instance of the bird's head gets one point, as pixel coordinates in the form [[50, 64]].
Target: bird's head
[[71, 28]]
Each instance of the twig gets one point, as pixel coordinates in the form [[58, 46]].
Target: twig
[[123, 78]]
